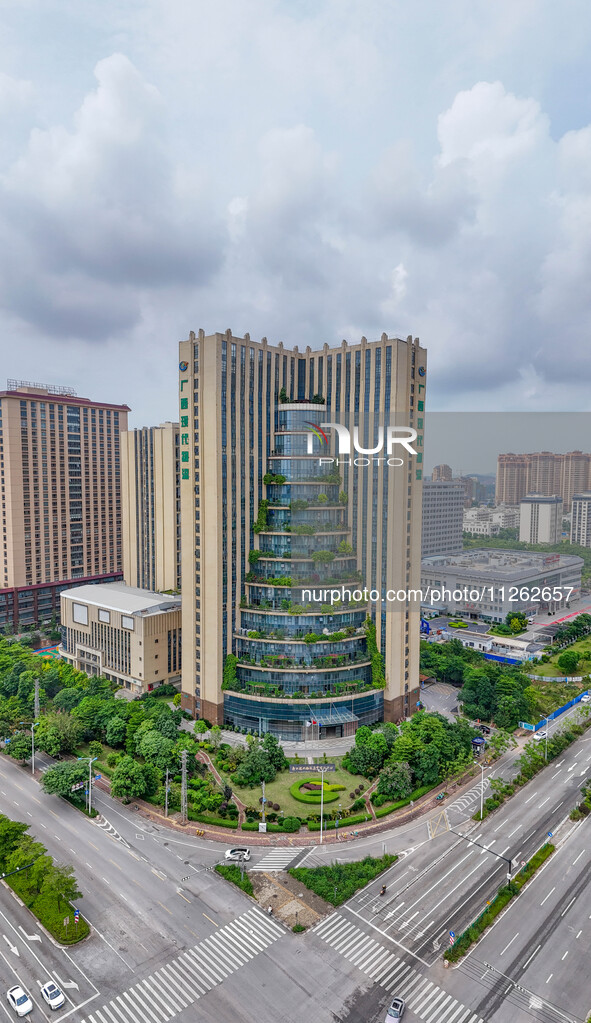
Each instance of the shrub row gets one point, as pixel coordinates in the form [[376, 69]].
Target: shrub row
[[504, 895], [231, 872]]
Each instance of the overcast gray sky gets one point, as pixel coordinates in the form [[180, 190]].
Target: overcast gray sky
[[311, 170]]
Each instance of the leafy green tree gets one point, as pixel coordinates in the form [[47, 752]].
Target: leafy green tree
[[568, 662], [116, 730], [28, 851], [68, 698], [216, 736], [177, 699], [200, 727], [275, 753], [395, 781], [164, 724], [20, 746], [58, 733], [152, 779], [11, 834], [60, 883], [129, 781], [255, 768], [59, 780], [156, 749], [95, 748]]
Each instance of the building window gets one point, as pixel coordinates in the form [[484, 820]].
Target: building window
[[104, 616]]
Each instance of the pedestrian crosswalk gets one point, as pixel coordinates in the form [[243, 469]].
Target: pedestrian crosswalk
[[277, 859], [181, 982], [422, 996], [469, 798]]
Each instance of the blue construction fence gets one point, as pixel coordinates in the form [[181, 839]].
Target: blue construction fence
[[555, 714]]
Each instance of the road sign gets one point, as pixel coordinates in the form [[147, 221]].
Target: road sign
[[549, 834], [310, 768], [451, 941], [262, 826], [523, 863], [76, 915], [528, 727], [66, 921], [452, 934]]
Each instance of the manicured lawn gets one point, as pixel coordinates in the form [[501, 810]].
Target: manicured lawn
[[278, 790], [551, 670]]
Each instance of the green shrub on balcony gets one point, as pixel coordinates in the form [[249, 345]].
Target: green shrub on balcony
[[323, 557], [229, 675], [322, 498], [378, 677], [312, 637], [261, 522], [254, 556]]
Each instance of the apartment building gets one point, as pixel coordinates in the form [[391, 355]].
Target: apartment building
[[443, 507], [60, 483], [581, 520], [151, 507]]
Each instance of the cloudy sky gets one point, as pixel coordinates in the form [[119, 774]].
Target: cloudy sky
[[310, 170]]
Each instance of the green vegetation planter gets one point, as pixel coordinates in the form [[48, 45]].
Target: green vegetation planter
[[337, 883], [331, 792], [231, 872]]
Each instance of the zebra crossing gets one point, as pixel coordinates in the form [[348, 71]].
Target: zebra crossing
[[471, 796], [422, 996], [181, 982], [277, 859]]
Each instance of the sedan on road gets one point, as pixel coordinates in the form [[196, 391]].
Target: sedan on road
[[395, 1010], [586, 698], [52, 995], [19, 1000], [239, 853], [539, 736]]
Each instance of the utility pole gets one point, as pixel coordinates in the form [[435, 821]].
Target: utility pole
[[33, 727], [264, 800], [37, 711], [166, 795], [184, 787], [322, 768]]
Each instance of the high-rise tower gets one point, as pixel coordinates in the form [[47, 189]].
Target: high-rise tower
[[265, 521]]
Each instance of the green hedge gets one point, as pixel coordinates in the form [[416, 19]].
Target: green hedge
[[331, 792], [504, 896], [215, 822], [338, 882], [231, 872], [254, 826], [345, 822]]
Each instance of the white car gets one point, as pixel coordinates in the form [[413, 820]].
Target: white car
[[52, 995], [586, 698], [239, 853], [540, 736], [19, 1000]]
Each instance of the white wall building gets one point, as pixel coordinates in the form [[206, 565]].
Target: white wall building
[[541, 519], [581, 520], [443, 505]]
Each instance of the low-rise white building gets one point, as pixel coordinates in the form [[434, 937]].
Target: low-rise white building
[[125, 634], [490, 583]]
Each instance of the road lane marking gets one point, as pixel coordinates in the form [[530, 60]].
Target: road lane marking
[[549, 978], [565, 954], [164, 907], [569, 905], [548, 895], [578, 857], [532, 796], [514, 830], [510, 943], [579, 934], [107, 882], [531, 957], [210, 920], [559, 804], [544, 801]]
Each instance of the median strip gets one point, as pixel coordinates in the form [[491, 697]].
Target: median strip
[[474, 932]]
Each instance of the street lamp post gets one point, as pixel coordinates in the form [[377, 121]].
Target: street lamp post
[[481, 788], [322, 768], [546, 743], [91, 761]]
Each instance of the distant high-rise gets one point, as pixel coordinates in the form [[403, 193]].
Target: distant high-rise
[[266, 524], [511, 486], [60, 478], [151, 503], [441, 472], [581, 520], [542, 472], [443, 508], [540, 519]]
